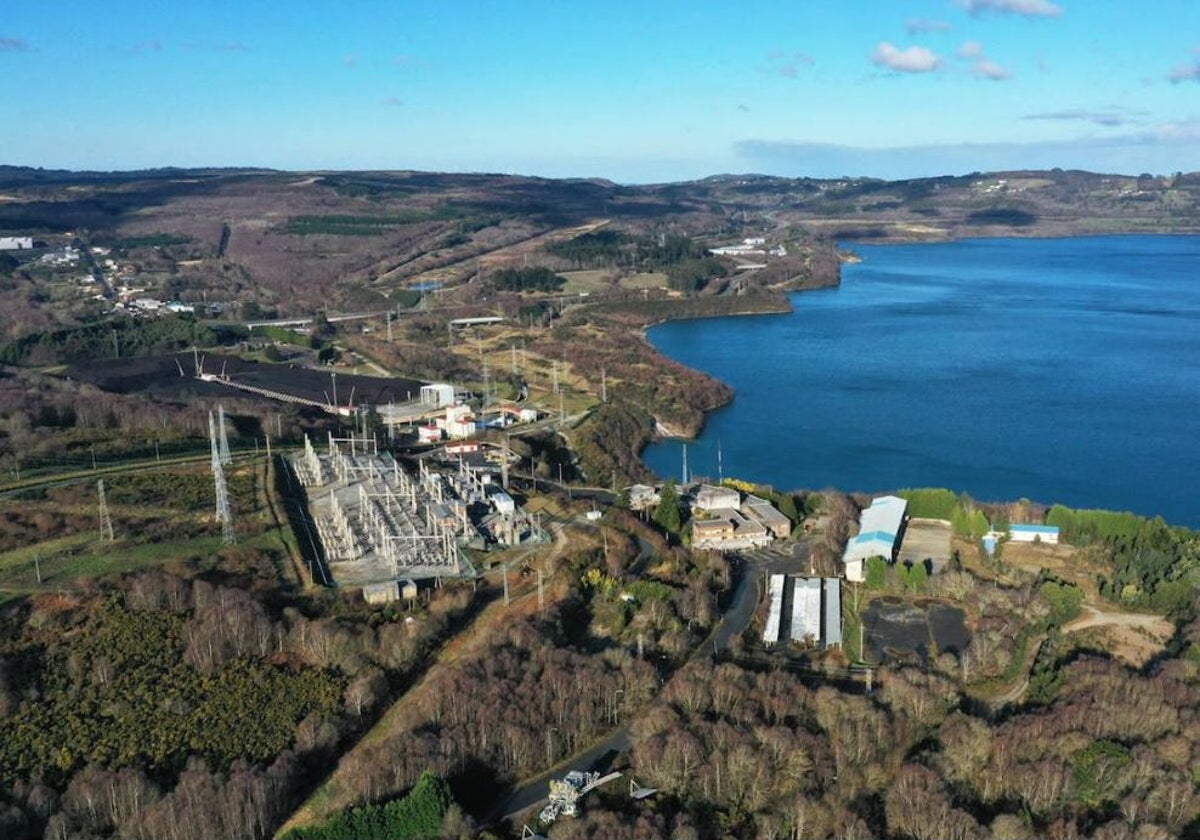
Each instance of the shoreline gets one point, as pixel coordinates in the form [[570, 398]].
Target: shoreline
[[667, 431]]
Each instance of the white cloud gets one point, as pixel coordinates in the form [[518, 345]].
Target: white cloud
[[919, 26], [1187, 72], [982, 66], [988, 69], [970, 49], [1108, 117], [1028, 8], [909, 60]]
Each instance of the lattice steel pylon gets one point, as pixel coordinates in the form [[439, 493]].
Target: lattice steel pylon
[[226, 458], [224, 516], [106, 526]]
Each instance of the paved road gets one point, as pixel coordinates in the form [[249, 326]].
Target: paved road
[[752, 567], [789, 556], [536, 791]]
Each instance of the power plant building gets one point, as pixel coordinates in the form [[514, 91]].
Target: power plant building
[[878, 536]]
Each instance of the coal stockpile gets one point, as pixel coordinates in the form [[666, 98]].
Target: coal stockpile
[[160, 376]]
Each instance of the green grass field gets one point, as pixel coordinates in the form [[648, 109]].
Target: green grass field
[[157, 519]]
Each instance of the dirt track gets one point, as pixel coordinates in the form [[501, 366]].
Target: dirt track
[[1093, 617], [1135, 637]]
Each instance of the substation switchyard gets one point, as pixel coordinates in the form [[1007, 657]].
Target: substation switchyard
[[375, 521]]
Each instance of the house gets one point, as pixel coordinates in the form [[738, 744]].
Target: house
[[726, 529], [642, 497], [763, 512], [710, 498], [1033, 533], [710, 530], [879, 535]]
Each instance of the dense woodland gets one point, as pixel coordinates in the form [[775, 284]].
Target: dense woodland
[[172, 706]]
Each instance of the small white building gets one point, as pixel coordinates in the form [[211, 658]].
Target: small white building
[[381, 593], [503, 503], [528, 415], [15, 243], [428, 434], [459, 422], [437, 394], [1033, 533]]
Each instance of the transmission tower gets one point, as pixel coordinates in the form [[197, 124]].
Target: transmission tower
[[224, 516], [106, 528], [226, 458]]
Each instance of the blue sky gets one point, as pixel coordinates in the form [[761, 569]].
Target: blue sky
[[633, 91]]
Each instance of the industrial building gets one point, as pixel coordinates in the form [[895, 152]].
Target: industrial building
[[806, 611], [16, 243], [438, 395], [1033, 533], [833, 613], [774, 609], [375, 523], [814, 615], [879, 533]]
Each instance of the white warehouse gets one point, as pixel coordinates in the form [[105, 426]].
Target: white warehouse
[[878, 535]]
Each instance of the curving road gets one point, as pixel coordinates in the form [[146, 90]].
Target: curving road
[[749, 569]]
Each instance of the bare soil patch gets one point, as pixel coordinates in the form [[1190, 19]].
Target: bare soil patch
[[1133, 638]]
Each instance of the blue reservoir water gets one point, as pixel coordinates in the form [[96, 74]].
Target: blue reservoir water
[[1059, 370]]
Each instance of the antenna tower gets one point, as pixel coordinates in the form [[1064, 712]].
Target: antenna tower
[[685, 465], [224, 516], [106, 528], [226, 458]]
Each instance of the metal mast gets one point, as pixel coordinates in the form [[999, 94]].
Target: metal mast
[[224, 516], [226, 458], [106, 526]]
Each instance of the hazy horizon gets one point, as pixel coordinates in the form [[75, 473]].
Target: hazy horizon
[[670, 92]]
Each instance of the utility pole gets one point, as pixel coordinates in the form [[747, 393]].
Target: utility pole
[[554, 370], [504, 569], [389, 326], [541, 593], [37, 567], [603, 385]]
